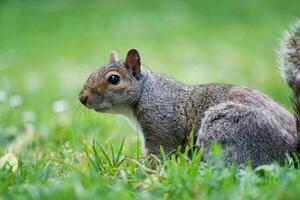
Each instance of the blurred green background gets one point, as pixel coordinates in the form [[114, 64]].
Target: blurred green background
[[48, 49]]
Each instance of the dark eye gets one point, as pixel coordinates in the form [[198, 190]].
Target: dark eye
[[114, 79]]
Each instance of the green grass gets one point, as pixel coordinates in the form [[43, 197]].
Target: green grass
[[48, 49]]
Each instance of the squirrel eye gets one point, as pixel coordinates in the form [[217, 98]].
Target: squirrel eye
[[114, 79]]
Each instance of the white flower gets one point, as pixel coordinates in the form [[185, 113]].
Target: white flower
[[9, 160], [33, 82], [44, 131], [60, 106], [15, 101], [3, 96], [28, 116]]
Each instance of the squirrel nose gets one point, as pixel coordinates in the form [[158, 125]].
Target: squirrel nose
[[83, 99]]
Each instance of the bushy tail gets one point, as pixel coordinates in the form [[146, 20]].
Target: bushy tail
[[289, 58]]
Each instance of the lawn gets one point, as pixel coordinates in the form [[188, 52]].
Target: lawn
[[64, 151]]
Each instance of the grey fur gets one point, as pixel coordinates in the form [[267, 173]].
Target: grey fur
[[250, 127], [289, 60], [247, 124], [289, 53], [167, 110]]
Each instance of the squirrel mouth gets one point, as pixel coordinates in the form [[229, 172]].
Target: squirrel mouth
[[103, 108], [98, 109]]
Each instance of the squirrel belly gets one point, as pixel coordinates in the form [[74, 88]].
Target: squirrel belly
[[135, 125]]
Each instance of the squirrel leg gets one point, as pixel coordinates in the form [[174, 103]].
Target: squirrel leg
[[245, 134]]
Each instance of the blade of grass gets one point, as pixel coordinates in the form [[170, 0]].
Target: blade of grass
[[120, 151], [105, 154], [112, 155], [97, 158], [89, 157]]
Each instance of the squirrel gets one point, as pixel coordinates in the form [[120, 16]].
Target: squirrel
[[248, 125]]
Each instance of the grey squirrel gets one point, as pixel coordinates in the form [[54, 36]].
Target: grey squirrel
[[247, 124]]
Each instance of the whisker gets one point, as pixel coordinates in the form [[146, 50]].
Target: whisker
[[76, 118], [78, 114], [85, 127], [77, 109]]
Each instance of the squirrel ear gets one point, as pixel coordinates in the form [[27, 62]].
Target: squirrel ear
[[133, 62], [113, 57]]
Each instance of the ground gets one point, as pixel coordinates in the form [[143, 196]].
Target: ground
[[63, 151]]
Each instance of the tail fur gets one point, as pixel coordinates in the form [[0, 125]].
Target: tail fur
[[289, 59]]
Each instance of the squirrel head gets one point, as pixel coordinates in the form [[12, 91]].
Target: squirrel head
[[114, 86]]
